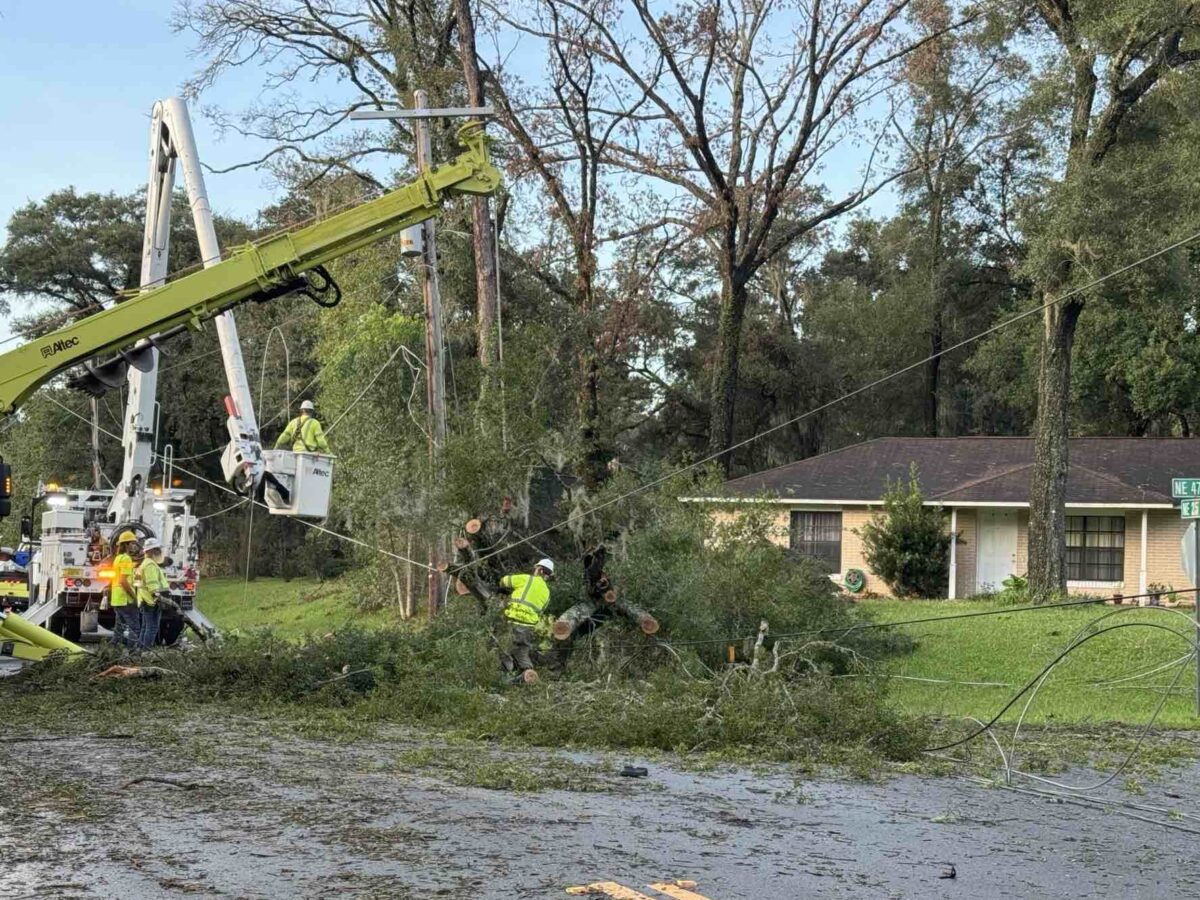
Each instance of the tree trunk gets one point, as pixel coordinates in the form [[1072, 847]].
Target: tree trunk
[[1048, 491], [937, 315], [595, 452], [725, 368], [644, 620], [565, 625], [483, 237], [932, 370]]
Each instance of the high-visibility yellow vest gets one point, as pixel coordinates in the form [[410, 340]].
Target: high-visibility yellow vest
[[305, 434], [122, 565], [530, 596], [149, 578]]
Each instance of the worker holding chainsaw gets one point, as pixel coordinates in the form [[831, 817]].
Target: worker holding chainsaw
[[152, 590], [529, 595], [122, 596], [304, 433]]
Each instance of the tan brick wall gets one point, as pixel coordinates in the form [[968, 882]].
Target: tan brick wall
[[1133, 552], [1162, 558], [1022, 562], [780, 532], [964, 582], [855, 518], [1163, 565]]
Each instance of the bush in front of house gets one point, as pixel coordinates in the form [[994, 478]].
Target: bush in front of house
[[908, 546]]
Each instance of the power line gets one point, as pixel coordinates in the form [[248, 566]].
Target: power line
[[313, 525], [871, 385], [847, 630], [1044, 673], [871, 626], [190, 358], [99, 306]]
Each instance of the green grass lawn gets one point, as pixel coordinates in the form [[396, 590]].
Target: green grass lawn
[[1010, 648], [1005, 650], [289, 608]]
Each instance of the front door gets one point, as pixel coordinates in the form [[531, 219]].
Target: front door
[[997, 556]]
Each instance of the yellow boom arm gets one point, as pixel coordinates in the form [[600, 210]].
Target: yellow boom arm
[[272, 267]]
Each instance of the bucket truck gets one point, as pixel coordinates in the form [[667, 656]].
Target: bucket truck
[[68, 573]]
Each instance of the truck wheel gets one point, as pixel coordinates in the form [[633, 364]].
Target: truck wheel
[[66, 625], [169, 629]]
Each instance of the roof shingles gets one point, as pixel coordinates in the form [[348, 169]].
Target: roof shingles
[[981, 469]]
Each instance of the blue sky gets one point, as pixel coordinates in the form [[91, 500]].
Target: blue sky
[[77, 81]]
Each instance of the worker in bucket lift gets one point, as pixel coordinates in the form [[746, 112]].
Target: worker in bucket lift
[[152, 587], [529, 595], [123, 597], [304, 433]]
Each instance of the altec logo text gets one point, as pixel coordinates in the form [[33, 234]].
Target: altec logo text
[[58, 346]]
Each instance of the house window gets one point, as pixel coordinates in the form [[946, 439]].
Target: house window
[[1095, 548], [819, 535]]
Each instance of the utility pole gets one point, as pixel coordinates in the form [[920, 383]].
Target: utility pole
[[96, 472], [1196, 607], [420, 115], [435, 382]]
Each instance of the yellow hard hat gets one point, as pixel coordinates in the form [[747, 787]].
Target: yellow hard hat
[[127, 536]]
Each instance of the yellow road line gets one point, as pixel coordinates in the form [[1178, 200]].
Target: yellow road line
[[678, 890], [609, 889]]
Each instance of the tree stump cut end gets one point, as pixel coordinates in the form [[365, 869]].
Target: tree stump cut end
[[561, 630]]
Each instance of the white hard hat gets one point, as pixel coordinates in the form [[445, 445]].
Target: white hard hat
[[307, 404], [151, 544], [547, 564]]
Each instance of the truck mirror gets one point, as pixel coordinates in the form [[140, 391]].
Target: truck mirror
[[26, 527]]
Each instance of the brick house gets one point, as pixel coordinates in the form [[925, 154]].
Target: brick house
[[1123, 528]]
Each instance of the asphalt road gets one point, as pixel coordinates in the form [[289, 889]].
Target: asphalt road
[[254, 812]]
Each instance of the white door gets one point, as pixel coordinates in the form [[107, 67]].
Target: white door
[[997, 548]]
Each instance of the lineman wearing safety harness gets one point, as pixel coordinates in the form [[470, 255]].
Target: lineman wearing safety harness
[[152, 586], [304, 433], [123, 598], [529, 597]]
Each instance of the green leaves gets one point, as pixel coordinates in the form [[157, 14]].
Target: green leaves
[[908, 546]]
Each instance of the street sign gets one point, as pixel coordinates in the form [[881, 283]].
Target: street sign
[[1185, 487], [1189, 508]]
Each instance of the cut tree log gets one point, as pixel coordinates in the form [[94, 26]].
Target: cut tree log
[[565, 625], [464, 576], [645, 621]]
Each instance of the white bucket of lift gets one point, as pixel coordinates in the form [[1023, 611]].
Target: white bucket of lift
[[307, 479]]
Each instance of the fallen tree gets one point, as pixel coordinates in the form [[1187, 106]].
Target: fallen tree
[[602, 601]]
